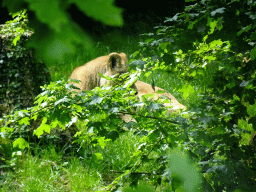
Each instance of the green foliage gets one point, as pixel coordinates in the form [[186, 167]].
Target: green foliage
[[57, 107], [211, 47], [21, 74], [52, 25], [46, 171], [20, 143], [20, 21], [183, 172]]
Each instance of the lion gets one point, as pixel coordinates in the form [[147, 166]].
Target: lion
[[110, 65], [145, 88]]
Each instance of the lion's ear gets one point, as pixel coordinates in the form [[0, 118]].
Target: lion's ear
[[124, 58], [114, 60]]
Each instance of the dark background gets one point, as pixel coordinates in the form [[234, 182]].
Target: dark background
[[138, 17]]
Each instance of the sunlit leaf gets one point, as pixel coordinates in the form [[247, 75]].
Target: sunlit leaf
[[97, 157], [25, 121], [103, 11], [43, 128], [21, 143]]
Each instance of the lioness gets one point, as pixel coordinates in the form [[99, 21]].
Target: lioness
[[144, 88], [106, 65], [110, 65]]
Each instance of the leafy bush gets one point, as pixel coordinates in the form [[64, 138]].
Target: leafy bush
[[210, 50], [212, 46], [21, 73]]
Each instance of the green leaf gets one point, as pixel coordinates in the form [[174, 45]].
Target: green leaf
[[21, 143], [15, 40], [181, 168], [97, 157], [57, 43], [253, 53], [155, 106], [187, 90], [43, 128], [137, 63], [244, 29], [63, 100], [25, 121], [244, 83], [103, 11], [219, 10], [96, 100], [213, 24], [56, 123], [73, 121], [132, 80], [102, 142], [113, 135]]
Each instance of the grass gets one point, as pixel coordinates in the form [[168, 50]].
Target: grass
[[111, 42], [49, 170], [46, 169]]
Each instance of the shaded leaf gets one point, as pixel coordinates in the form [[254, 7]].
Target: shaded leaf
[[137, 63], [219, 10], [96, 100]]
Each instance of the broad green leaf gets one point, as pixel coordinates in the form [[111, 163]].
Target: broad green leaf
[[219, 10], [244, 29], [97, 157], [155, 106], [21, 143], [53, 15], [103, 11], [160, 91], [244, 83], [137, 64], [184, 171], [96, 100], [133, 78], [253, 53], [102, 142], [213, 24], [25, 121], [16, 39], [43, 128], [6, 129], [44, 120], [53, 45], [187, 90], [63, 100], [56, 123], [73, 120]]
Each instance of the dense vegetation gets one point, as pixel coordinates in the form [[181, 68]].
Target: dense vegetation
[[210, 49]]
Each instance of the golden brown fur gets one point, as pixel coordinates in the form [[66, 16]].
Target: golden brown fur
[[106, 65], [144, 88], [110, 65]]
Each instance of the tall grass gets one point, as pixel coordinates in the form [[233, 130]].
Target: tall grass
[[46, 171]]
